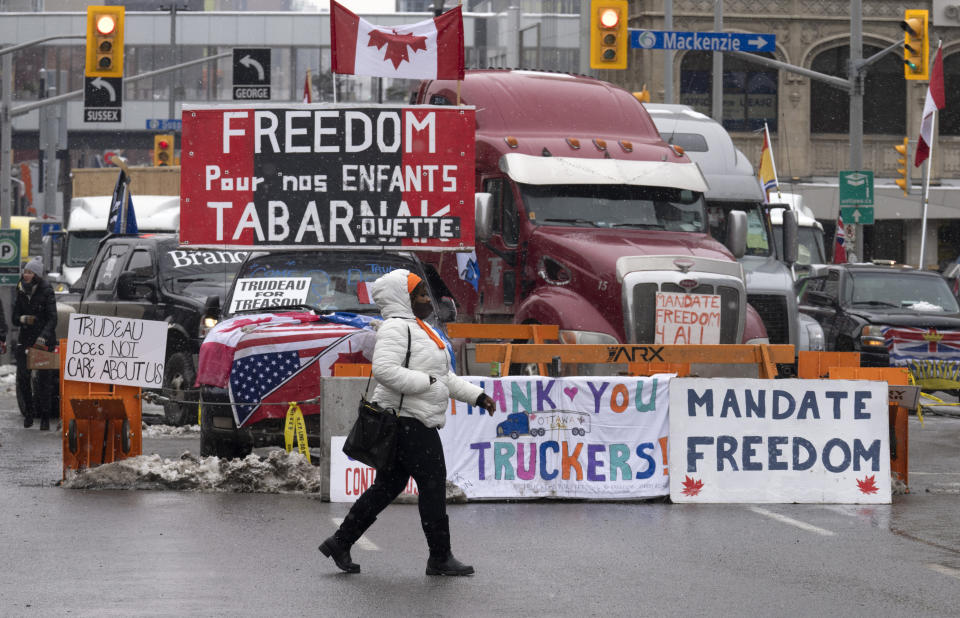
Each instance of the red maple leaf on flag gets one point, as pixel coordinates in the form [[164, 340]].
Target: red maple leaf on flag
[[691, 487], [868, 485], [397, 45]]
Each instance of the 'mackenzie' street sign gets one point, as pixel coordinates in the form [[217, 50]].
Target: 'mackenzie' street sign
[[346, 177], [705, 41]]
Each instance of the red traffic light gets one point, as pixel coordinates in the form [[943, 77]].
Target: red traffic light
[[106, 24], [609, 18], [163, 144]]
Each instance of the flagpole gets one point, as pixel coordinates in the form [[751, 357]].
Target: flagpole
[[773, 161], [926, 191]]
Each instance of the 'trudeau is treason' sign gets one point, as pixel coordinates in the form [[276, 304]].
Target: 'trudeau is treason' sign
[[332, 176]]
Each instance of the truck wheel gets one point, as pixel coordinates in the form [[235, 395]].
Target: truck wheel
[[178, 378], [211, 446], [514, 435]]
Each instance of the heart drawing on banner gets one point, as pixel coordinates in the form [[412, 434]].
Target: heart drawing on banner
[[571, 392]]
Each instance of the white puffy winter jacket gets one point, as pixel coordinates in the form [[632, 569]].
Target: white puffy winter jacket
[[422, 400]]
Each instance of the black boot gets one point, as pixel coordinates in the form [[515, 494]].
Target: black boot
[[28, 421], [338, 545], [441, 561], [44, 424]]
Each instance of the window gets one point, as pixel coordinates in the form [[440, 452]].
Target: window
[[141, 264], [749, 90], [884, 95], [110, 268], [504, 209], [948, 119]]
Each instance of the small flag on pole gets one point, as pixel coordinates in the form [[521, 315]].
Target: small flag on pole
[[768, 169], [307, 95], [839, 244]]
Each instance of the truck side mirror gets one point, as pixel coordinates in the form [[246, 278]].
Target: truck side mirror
[[447, 311], [211, 308], [483, 216], [132, 287], [737, 233], [791, 236]]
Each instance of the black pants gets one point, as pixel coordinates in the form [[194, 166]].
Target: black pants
[[420, 455], [37, 403]]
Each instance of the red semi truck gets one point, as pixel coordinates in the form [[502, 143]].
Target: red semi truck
[[584, 214]]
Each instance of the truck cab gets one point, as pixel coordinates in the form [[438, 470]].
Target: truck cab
[[735, 186], [584, 213]]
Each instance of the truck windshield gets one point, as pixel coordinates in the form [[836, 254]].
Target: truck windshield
[[758, 240], [810, 244], [82, 246], [320, 280], [614, 206], [901, 290]]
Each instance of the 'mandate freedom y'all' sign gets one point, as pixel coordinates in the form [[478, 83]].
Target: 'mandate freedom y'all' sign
[[343, 176]]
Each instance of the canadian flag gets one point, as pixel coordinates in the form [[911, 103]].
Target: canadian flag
[[431, 49], [935, 100], [307, 95]]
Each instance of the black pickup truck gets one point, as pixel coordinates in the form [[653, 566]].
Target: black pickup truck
[[150, 277]]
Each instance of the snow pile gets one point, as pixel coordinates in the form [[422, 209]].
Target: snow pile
[[163, 431], [923, 305], [278, 472]]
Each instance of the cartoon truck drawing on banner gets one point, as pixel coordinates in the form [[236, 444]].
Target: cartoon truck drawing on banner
[[538, 423]]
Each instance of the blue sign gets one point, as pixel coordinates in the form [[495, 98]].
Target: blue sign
[[164, 124], [702, 41], [49, 228]]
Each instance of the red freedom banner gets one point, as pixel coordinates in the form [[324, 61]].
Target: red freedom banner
[[431, 49], [333, 176]]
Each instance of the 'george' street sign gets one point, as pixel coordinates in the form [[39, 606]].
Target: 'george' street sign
[[251, 74], [705, 41]]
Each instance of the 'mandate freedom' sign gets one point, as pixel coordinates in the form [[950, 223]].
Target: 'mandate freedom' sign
[[332, 176]]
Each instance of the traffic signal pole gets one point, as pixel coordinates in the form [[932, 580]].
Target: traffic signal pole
[[8, 112]]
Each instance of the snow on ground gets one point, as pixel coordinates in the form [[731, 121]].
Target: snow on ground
[[277, 472], [166, 431]]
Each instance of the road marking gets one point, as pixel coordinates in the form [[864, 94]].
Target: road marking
[[793, 522], [363, 542], [939, 568]]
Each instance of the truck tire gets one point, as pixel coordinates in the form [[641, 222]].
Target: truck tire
[[212, 446], [178, 378]]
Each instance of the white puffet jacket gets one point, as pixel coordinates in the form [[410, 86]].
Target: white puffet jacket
[[421, 400]]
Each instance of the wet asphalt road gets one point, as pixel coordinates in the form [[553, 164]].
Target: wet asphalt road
[[178, 553]]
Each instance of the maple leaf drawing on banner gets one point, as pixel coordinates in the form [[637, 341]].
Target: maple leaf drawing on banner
[[691, 487], [868, 485], [397, 45]]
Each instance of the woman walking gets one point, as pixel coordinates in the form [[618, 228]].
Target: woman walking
[[419, 392]]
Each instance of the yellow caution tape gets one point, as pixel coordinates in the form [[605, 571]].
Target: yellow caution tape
[[295, 425]]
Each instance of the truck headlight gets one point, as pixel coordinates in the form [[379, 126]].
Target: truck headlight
[[206, 324], [815, 337], [871, 336], [587, 337]]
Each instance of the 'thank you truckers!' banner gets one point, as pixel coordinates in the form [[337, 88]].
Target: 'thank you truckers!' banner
[[779, 441], [328, 176], [597, 438]]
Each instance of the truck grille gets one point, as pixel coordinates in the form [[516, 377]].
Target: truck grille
[[645, 308], [773, 312]]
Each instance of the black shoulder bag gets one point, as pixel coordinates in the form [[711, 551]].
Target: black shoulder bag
[[373, 438]]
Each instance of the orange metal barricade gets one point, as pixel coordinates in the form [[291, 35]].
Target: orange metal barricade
[[101, 422], [538, 333]]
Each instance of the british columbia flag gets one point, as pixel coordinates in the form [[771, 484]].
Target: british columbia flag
[[906, 344], [277, 361]]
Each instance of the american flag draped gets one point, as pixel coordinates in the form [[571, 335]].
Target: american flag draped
[[278, 358]]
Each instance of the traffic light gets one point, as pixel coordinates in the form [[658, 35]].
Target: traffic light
[[916, 44], [162, 150], [608, 34], [104, 41], [903, 169]]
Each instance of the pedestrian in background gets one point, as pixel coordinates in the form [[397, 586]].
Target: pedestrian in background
[[420, 393], [35, 314]]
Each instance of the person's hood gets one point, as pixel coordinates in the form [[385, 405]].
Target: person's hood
[[391, 294]]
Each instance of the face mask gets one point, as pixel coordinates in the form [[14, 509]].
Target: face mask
[[422, 310]]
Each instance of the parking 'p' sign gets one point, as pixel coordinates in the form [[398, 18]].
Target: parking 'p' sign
[[9, 257]]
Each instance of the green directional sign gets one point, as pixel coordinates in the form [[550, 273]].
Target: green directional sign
[[9, 257], [856, 188], [857, 215]]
